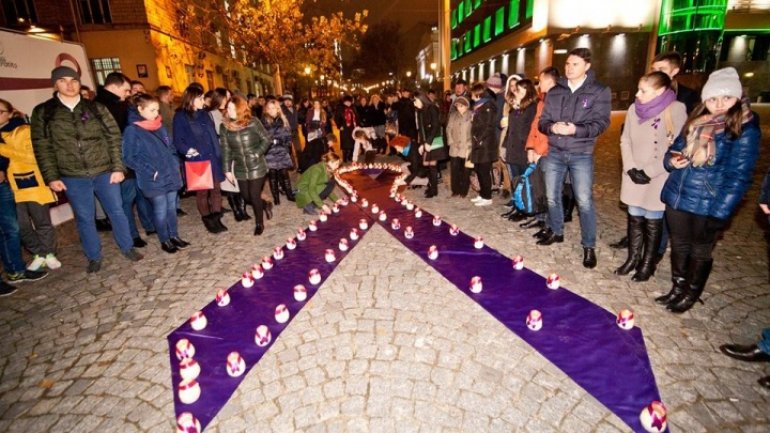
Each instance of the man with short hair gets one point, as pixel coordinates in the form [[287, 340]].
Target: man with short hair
[[137, 87], [83, 158], [287, 106], [575, 113], [113, 95], [670, 64]]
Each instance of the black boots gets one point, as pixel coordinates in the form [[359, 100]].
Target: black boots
[[238, 205], [635, 235], [679, 268], [272, 178], [280, 183], [169, 247], [653, 231], [213, 223], [589, 258], [285, 184], [267, 208], [699, 271], [550, 238]]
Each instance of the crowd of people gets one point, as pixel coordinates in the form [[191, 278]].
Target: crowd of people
[[123, 152]]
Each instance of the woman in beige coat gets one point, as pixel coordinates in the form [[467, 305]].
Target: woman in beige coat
[[458, 131], [652, 123]]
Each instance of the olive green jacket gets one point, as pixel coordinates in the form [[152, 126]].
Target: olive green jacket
[[243, 151]]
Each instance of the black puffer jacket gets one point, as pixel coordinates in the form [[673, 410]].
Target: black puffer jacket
[[243, 150], [279, 151], [483, 126]]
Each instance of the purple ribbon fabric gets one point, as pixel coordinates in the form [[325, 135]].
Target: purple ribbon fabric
[[578, 336]]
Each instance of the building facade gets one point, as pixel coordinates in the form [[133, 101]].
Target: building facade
[[149, 40], [524, 36]]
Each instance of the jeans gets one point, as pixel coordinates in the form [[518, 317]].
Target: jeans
[[10, 243], [80, 192], [130, 195], [764, 343], [38, 235], [647, 214], [580, 167], [690, 236], [484, 175], [164, 215]]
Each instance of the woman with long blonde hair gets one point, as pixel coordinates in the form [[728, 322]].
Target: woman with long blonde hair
[[279, 152]]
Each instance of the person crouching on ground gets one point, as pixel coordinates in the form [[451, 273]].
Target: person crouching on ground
[[363, 145], [147, 149], [244, 143], [710, 165], [317, 184]]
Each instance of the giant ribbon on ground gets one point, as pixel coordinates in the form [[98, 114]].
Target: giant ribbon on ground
[[578, 337]]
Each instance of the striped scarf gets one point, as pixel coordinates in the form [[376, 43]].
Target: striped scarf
[[701, 148]]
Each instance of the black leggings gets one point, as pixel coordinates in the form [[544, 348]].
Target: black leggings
[[689, 234], [251, 191]]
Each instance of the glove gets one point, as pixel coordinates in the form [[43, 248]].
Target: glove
[[716, 224], [191, 153], [638, 176]]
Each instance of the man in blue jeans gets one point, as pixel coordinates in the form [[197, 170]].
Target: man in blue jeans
[[576, 112], [759, 352], [77, 145], [10, 242]]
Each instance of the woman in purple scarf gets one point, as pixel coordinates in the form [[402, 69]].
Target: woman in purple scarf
[[652, 123]]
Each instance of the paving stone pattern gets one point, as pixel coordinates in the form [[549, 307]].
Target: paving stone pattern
[[387, 345]]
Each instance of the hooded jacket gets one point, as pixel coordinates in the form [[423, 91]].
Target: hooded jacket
[[588, 108], [23, 173], [152, 157]]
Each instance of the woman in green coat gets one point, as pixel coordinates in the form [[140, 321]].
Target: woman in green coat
[[244, 143], [316, 184]]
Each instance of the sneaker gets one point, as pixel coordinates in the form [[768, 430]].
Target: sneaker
[[27, 275], [94, 266], [484, 202], [37, 264], [477, 198], [51, 262], [133, 255], [6, 289]]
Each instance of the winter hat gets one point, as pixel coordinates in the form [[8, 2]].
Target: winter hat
[[463, 101], [63, 72], [722, 82], [288, 96], [495, 82]]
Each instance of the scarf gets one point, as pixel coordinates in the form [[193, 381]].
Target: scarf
[[150, 125], [701, 147], [646, 111], [350, 117]]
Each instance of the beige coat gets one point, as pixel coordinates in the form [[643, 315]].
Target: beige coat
[[458, 131], [643, 146]]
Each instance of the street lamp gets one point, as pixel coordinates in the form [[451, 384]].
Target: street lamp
[[307, 70], [408, 74]]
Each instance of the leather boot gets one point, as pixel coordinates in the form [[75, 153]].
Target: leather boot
[[241, 203], [285, 184], [622, 244], [701, 269], [653, 230], [267, 208], [217, 218], [679, 268], [210, 224], [272, 177], [234, 206], [635, 235]]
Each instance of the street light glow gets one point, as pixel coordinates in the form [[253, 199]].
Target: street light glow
[[307, 70]]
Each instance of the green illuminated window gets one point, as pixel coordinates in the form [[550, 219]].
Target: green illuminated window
[[487, 29], [476, 4], [500, 21], [467, 43], [453, 49], [477, 35], [460, 12], [691, 15], [513, 14], [453, 19], [468, 8], [530, 6]]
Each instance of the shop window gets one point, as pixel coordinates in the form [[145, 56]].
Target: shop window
[[95, 12], [19, 12], [104, 66]]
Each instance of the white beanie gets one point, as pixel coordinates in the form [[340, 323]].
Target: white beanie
[[722, 82]]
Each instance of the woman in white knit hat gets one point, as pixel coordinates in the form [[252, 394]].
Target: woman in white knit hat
[[711, 165]]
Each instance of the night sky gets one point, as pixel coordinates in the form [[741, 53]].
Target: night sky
[[407, 12]]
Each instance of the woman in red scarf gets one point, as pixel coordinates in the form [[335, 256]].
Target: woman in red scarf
[[710, 165], [147, 149]]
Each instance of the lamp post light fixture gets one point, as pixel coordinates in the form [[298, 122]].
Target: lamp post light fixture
[[408, 74], [307, 70]]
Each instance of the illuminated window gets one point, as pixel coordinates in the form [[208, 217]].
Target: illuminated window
[[477, 35], [467, 43], [513, 14], [20, 12], [453, 19], [460, 12], [678, 16], [104, 66], [487, 29], [468, 8], [476, 4], [530, 6], [500, 21], [95, 12], [453, 49]]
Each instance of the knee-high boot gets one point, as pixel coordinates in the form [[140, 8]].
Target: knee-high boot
[[285, 183], [679, 274], [232, 200], [700, 271], [635, 233], [272, 177], [241, 204], [653, 230]]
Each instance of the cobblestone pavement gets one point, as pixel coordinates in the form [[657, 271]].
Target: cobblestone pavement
[[387, 344]]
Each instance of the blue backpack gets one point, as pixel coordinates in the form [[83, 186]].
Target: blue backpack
[[529, 191]]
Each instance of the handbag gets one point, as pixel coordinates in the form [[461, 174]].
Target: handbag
[[437, 143], [199, 175]]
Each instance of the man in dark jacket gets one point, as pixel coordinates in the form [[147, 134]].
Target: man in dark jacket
[[346, 121], [117, 87], [290, 111], [407, 125], [576, 112], [78, 149]]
